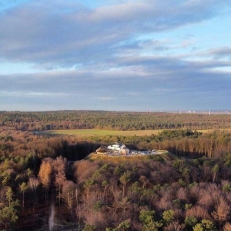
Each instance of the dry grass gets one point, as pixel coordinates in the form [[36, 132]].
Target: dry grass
[[165, 155], [116, 159], [99, 132], [213, 130]]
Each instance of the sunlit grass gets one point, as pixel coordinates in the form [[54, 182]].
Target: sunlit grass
[[162, 156], [213, 130], [99, 132]]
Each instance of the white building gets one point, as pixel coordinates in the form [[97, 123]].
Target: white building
[[119, 147]]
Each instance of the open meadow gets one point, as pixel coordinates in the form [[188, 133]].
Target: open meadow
[[101, 132]]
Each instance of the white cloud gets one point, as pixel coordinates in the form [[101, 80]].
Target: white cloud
[[30, 94], [67, 33], [106, 98]]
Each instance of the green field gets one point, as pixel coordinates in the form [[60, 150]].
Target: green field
[[98, 132]]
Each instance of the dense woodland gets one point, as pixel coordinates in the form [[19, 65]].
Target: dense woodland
[[187, 189], [112, 120]]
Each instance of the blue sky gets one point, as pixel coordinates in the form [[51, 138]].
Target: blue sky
[[139, 55]]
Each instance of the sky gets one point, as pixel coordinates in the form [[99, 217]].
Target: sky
[[116, 55]]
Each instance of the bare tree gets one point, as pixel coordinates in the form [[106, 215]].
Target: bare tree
[[222, 212]]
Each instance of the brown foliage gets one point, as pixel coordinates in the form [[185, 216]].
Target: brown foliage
[[199, 212], [222, 212], [84, 169], [182, 194], [174, 226], [45, 174], [208, 195], [227, 227]]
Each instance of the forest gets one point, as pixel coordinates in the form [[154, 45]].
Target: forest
[[54, 120], [52, 183]]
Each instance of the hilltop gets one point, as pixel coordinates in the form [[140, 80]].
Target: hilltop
[[160, 157]]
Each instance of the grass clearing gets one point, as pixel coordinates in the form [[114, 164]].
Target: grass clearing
[[213, 130], [99, 132]]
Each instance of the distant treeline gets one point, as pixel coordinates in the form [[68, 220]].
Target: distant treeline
[[55, 120]]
